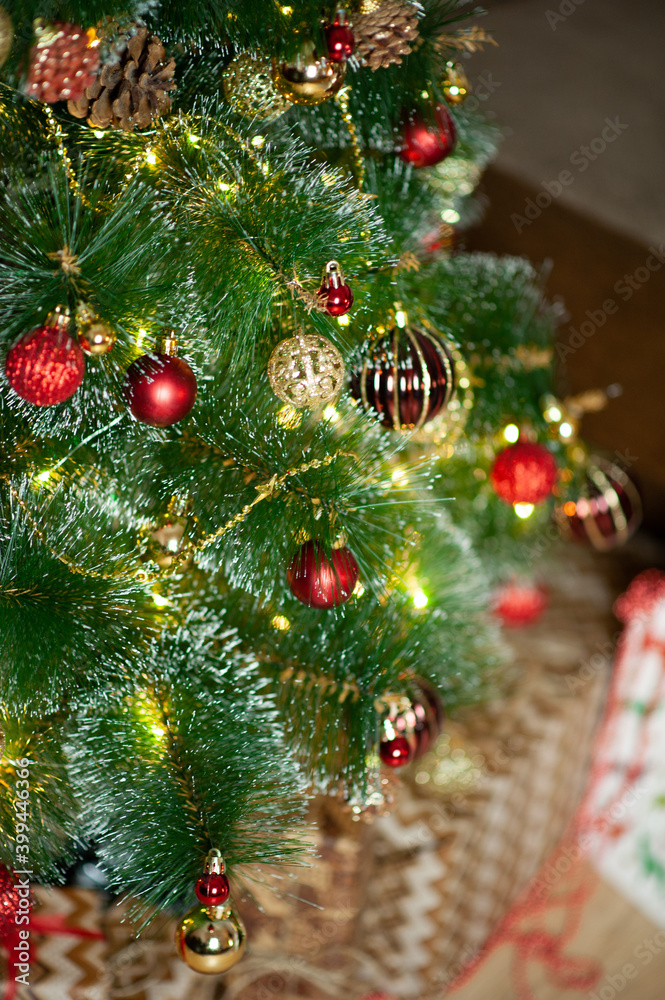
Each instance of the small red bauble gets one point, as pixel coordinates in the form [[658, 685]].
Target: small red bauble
[[212, 889], [46, 365], [320, 581], [337, 297], [62, 63], [341, 42], [395, 752], [524, 473], [518, 604], [426, 143], [160, 389]]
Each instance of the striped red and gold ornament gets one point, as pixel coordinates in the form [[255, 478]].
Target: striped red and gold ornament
[[407, 376], [608, 510]]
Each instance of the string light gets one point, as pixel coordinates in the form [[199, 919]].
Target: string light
[[160, 601], [280, 623], [524, 510], [511, 433], [330, 414], [343, 320], [566, 430], [420, 598]]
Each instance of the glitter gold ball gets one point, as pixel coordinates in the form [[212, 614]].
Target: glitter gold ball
[[306, 371], [249, 87]]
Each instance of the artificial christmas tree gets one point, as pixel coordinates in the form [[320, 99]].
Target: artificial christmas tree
[[203, 610]]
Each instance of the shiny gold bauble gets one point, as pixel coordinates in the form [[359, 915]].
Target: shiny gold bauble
[[249, 87], [6, 35], [309, 79], [97, 338], [456, 83], [306, 371], [211, 939]]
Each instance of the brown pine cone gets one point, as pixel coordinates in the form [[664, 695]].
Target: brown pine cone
[[131, 92], [384, 34]]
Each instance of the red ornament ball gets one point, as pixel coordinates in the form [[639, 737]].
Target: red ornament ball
[[517, 604], [336, 296], [160, 389], [8, 903], [46, 365], [341, 42], [426, 143], [320, 581], [338, 300], [62, 63], [524, 473], [396, 752], [212, 889]]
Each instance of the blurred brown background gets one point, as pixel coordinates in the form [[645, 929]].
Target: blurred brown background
[[577, 86]]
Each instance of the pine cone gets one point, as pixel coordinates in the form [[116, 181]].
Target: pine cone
[[131, 92], [384, 35]]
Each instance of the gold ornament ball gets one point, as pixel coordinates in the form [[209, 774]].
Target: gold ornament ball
[[6, 35], [309, 79], [306, 371], [211, 939], [456, 83], [249, 88], [97, 338]]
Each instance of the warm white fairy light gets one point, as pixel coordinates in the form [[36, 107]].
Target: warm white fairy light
[[524, 510]]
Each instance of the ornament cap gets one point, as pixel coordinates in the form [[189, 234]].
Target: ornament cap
[[334, 274], [214, 864], [168, 343], [59, 317]]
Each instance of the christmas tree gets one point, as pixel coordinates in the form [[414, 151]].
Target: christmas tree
[[269, 438]]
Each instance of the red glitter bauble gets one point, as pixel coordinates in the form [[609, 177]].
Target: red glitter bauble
[[45, 366], [160, 389], [341, 42], [8, 903], [212, 889], [320, 581], [396, 752], [62, 63], [518, 604], [426, 143], [524, 473]]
